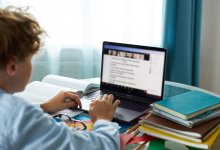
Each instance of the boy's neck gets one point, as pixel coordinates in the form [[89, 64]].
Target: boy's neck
[[4, 84]]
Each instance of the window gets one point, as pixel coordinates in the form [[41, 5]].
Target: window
[[81, 26]]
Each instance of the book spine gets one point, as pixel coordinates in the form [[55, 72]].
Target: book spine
[[168, 137], [189, 137]]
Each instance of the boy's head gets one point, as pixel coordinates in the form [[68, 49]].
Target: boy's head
[[19, 35], [19, 40]]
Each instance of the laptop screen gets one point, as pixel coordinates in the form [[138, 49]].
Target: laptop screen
[[133, 70]]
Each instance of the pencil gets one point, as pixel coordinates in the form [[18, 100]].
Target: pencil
[[135, 132], [148, 115], [132, 128], [137, 125], [140, 146]]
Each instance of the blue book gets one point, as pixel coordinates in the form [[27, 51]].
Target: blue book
[[189, 104]]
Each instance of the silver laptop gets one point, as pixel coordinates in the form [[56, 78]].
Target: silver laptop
[[134, 74]]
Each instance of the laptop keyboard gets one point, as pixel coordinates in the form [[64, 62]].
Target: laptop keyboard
[[124, 102], [94, 96], [133, 105]]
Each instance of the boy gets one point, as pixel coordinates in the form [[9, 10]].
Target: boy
[[24, 126]]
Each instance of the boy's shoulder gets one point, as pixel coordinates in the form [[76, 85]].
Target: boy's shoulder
[[9, 100], [16, 116], [11, 105]]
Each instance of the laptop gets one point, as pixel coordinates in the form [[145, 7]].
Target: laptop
[[134, 74]]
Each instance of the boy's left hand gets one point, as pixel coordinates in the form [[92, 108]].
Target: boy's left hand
[[58, 103]]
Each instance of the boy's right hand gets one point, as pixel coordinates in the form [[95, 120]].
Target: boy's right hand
[[104, 108], [63, 100]]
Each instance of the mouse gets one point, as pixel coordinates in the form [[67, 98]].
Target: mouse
[[79, 93], [67, 100]]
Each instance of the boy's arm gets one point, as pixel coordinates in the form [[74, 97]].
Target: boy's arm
[[105, 135], [33, 129]]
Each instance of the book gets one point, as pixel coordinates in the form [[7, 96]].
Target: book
[[83, 86], [207, 144], [199, 133], [189, 104], [216, 145], [37, 92], [191, 122]]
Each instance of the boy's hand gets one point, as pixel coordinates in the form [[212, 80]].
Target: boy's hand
[[103, 109], [58, 102]]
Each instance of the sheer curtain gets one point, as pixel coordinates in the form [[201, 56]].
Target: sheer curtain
[[77, 28]]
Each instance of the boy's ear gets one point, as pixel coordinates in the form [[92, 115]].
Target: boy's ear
[[12, 67]]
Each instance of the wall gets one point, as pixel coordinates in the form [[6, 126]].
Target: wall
[[210, 46]]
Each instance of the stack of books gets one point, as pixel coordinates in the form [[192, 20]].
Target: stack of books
[[191, 118]]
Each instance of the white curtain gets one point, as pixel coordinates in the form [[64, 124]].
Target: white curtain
[[77, 28]]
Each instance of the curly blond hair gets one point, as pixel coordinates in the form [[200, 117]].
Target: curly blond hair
[[20, 34]]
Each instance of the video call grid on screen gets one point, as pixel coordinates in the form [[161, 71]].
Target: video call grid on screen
[[139, 71]]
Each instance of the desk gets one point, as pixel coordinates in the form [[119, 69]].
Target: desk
[[172, 89]]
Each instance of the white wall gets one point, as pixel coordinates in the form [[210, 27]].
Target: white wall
[[210, 46]]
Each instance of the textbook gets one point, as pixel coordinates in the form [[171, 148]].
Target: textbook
[[195, 121], [189, 104], [37, 92], [207, 144], [198, 134]]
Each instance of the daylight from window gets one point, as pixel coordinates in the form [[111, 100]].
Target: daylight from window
[[82, 25]]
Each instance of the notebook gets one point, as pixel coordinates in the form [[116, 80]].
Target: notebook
[[134, 74]]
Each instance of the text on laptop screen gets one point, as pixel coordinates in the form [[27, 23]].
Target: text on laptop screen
[[134, 70]]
